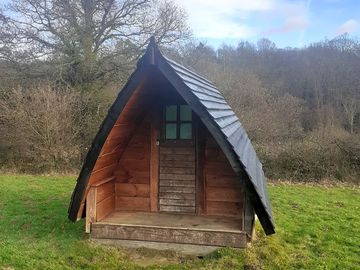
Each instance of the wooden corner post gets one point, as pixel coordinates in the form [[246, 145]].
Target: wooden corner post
[[90, 209], [154, 161], [200, 156]]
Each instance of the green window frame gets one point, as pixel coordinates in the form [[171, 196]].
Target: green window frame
[[178, 122]]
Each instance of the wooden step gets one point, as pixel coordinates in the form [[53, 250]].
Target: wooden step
[[169, 235]]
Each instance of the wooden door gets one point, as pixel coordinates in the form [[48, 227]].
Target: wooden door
[[177, 179]]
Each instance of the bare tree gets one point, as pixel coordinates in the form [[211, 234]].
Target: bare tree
[[37, 127], [351, 105], [92, 38], [5, 36], [265, 45]]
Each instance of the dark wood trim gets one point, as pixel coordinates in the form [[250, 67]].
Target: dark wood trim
[[154, 162], [200, 155], [177, 143], [249, 216]]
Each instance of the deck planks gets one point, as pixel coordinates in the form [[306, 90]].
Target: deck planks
[[171, 228]]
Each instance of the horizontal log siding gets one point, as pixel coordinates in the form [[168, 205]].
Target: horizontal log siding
[[110, 153], [132, 187], [223, 190]]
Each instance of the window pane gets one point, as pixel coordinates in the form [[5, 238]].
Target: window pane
[[170, 131], [185, 113], [185, 131], [171, 113]]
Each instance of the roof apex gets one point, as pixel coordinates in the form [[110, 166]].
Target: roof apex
[[152, 41], [152, 49]]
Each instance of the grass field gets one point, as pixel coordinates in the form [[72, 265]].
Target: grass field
[[317, 228]]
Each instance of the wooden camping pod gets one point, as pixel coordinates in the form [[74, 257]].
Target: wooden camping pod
[[171, 149]]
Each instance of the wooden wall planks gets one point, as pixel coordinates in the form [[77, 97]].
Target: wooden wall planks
[[113, 148], [100, 202], [223, 189], [132, 172], [104, 191], [225, 209], [105, 207], [132, 203], [132, 190], [224, 194], [101, 174]]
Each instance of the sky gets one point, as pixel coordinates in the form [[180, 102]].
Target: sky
[[288, 23]]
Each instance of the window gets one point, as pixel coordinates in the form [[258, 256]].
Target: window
[[178, 122]]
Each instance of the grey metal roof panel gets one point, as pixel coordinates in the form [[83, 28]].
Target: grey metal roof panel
[[181, 67], [236, 137], [206, 97], [231, 128], [220, 113], [187, 78], [215, 105], [226, 120], [205, 89], [197, 88]]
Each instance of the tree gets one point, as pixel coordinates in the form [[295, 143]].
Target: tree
[[5, 36], [351, 107], [91, 39], [37, 128], [265, 45]]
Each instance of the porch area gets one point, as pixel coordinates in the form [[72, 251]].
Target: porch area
[[171, 228]]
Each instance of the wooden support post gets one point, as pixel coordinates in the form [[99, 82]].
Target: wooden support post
[[200, 156], [154, 163], [90, 209], [249, 216]]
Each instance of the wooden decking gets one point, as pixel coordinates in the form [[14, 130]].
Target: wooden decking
[[171, 228]]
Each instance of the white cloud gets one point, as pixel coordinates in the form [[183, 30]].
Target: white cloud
[[222, 19], [291, 24], [236, 19], [347, 27], [292, 17]]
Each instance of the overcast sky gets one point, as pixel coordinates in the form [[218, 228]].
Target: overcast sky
[[292, 23]]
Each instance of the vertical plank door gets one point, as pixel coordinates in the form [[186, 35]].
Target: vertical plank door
[[177, 179]]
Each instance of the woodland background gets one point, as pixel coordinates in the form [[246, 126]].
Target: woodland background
[[62, 64]]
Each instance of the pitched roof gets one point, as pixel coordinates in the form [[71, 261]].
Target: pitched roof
[[209, 104]]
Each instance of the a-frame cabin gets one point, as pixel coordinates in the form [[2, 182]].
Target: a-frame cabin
[[171, 163]]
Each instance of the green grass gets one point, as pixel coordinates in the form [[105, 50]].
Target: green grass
[[317, 228]]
